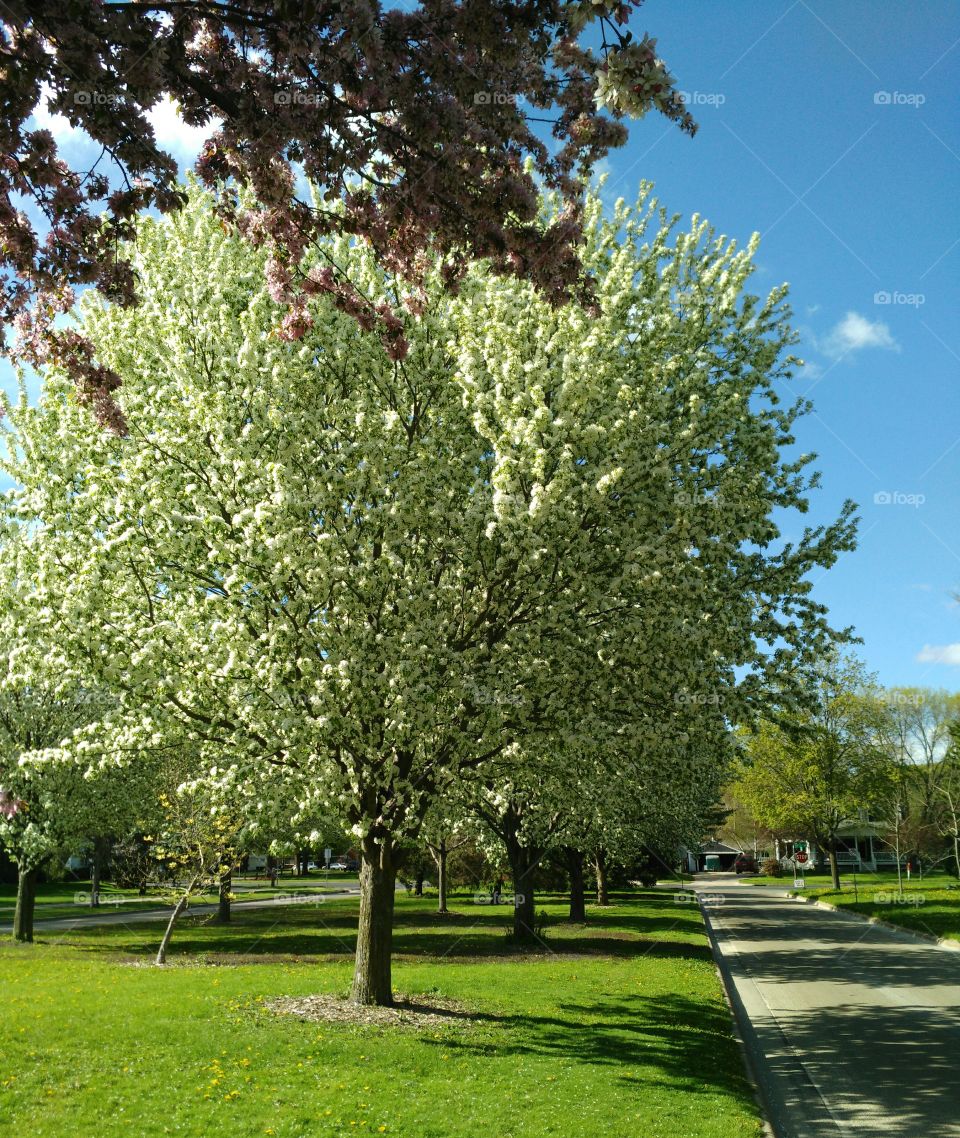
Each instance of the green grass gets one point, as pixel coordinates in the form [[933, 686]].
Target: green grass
[[930, 906], [613, 1028]]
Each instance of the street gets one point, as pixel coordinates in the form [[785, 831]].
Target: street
[[852, 1029]]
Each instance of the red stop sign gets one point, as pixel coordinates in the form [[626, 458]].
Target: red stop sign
[[801, 856]]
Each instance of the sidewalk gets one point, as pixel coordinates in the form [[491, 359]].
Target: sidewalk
[[852, 1029], [111, 915]]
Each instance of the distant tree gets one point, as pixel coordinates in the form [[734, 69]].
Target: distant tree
[[51, 808], [198, 843], [920, 724], [811, 772], [948, 793]]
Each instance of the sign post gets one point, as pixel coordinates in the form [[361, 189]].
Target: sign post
[[799, 859], [327, 855]]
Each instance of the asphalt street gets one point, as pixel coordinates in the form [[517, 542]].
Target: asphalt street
[[851, 1029]]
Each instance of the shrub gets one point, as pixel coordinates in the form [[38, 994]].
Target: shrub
[[771, 868]]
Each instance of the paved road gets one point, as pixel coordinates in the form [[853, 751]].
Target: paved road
[[853, 1030], [109, 915]]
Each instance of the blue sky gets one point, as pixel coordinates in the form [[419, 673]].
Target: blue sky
[[832, 130]]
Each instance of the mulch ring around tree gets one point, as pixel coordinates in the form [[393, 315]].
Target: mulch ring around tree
[[421, 1011]]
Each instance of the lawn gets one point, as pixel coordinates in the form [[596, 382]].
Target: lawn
[[928, 906], [613, 1028]]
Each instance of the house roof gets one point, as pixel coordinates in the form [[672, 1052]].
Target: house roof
[[718, 848]]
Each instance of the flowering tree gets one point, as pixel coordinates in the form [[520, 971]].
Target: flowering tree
[[607, 803], [416, 120], [50, 808], [379, 574], [198, 842]]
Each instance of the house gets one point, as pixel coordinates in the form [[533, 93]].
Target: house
[[711, 855], [861, 849]]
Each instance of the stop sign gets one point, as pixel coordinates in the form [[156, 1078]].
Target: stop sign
[[800, 856]]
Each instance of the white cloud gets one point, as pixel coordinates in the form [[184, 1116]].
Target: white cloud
[[810, 370], [939, 654], [855, 332], [59, 126], [173, 134]]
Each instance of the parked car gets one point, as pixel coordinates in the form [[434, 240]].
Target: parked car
[[745, 863], [337, 863]]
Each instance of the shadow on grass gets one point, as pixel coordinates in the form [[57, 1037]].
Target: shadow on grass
[[326, 932], [671, 1037]]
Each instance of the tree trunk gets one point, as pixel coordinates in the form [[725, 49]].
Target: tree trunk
[[578, 902], [26, 902], [95, 878], [174, 917], [834, 868], [378, 875], [600, 866], [441, 859], [223, 900]]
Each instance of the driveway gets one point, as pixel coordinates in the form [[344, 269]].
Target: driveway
[[852, 1029]]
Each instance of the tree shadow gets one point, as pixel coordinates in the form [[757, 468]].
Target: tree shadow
[[324, 932], [783, 942], [652, 1039]]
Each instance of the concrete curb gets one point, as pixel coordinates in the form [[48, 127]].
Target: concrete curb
[[743, 1031], [925, 938]]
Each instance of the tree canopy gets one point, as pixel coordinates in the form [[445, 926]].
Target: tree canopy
[[415, 122]]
